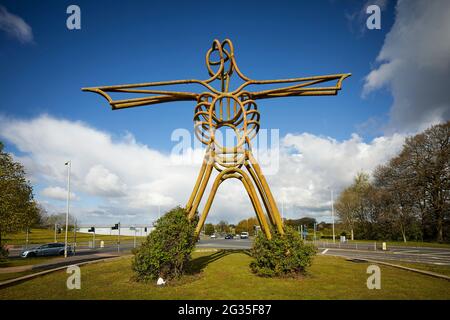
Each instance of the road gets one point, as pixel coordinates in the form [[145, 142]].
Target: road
[[412, 255], [437, 256]]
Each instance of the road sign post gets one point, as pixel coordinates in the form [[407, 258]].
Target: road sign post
[[26, 242], [118, 239]]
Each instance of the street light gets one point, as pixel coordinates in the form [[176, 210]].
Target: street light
[[68, 164], [332, 214]]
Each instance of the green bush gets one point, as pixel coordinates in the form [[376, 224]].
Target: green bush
[[282, 255], [167, 248]]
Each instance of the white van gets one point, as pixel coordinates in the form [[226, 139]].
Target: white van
[[244, 235]]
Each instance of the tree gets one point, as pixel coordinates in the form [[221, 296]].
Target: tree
[[17, 208], [57, 218], [347, 205], [209, 229], [167, 248], [354, 208], [428, 162], [306, 221], [222, 226], [410, 194], [247, 225], [396, 194]]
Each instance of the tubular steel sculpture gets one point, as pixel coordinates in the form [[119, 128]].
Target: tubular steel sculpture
[[235, 109]]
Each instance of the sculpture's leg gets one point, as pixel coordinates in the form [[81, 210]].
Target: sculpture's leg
[[198, 194], [239, 174], [265, 186], [262, 193], [197, 185], [255, 201], [208, 204]]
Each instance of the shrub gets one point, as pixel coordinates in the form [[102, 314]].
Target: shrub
[[282, 255], [167, 248]]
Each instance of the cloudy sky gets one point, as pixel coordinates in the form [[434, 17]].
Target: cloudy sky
[[123, 162]]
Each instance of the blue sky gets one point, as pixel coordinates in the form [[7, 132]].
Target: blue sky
[[150, 41], [142, 41]]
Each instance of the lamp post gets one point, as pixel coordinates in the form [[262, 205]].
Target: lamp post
[[68, 164], [332, 214], [74, 237], [26, 241]]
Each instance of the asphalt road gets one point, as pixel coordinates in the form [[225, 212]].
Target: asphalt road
[[437, 256], [414, 255], [125, 247], [225, 243]]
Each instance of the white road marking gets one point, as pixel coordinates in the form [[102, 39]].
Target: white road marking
[[324, 251]]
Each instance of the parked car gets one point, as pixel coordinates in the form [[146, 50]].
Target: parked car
[[244, 235], [213, 236], [229, 236], [49, 249]]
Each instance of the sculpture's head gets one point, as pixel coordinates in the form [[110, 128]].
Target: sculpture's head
[[220, 59]]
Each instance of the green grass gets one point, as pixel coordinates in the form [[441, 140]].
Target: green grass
[[17, 262], [407, 244], [39, 236], [226, 275], [7, 276], [441, 269]]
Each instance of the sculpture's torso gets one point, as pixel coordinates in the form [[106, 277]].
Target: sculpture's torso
[[238, 114]]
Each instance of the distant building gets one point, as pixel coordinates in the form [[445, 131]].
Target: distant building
[[140, 230]]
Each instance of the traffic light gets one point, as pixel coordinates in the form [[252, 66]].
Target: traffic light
[[59, 230], [91, 229], [116, 227]]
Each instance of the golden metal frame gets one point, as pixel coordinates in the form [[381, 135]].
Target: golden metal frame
[[235, 109]]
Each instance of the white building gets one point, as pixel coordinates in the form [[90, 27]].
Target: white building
[[140, 231]]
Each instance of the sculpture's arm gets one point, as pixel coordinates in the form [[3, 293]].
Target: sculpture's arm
[[151, 96], [299, 86]]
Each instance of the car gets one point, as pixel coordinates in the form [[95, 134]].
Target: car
[[49, 249], [244, 235], [213, 236], [229, 236]]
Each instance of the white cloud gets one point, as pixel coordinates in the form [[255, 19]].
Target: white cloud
[[130, 180], [414, 63], [100, 181], [58, 193], [316, 165], [15, 26]]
